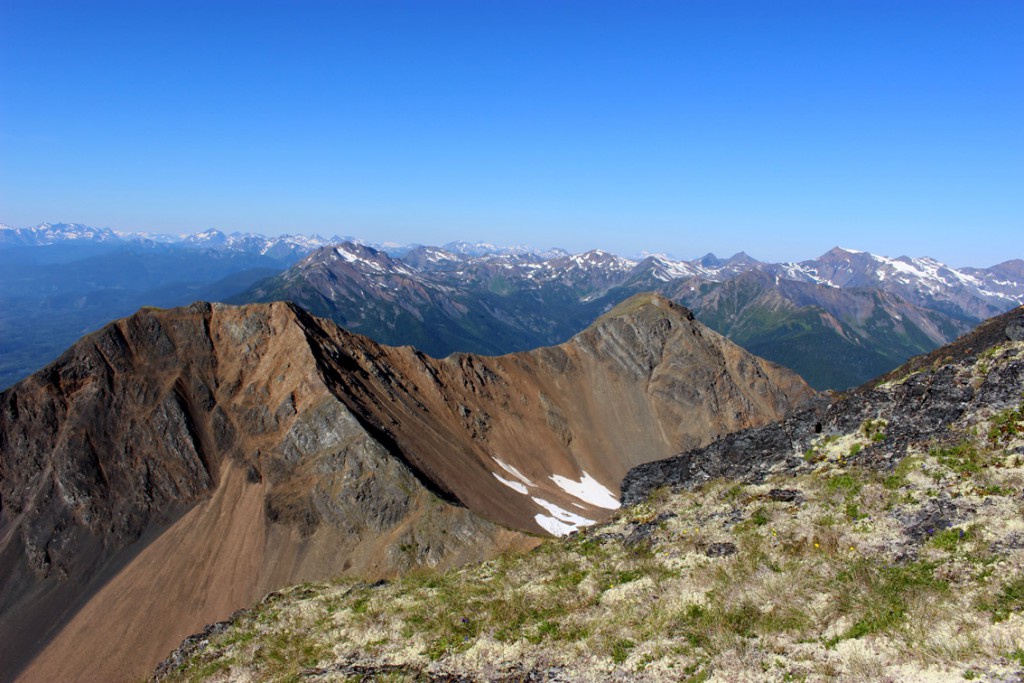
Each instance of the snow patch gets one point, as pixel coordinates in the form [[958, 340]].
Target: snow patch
[[514, 485], [666, 270], [553, 526], [589, 490], [356, 259], [514, 472], [560, 522]]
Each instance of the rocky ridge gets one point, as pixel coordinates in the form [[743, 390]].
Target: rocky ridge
[[914, 402]]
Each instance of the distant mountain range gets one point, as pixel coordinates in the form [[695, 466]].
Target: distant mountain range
[[58, 234], [838, 320]]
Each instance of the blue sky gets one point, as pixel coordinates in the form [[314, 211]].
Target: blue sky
[[778, 128]]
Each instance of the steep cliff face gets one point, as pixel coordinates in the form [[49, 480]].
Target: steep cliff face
[[178, 464], [519, 438]]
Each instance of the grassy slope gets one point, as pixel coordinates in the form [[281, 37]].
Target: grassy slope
[[841, 576]]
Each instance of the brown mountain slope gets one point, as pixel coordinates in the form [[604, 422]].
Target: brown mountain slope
[[177, 465]]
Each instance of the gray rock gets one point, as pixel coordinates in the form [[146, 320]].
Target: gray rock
[[918, 408], [786, 495], [720, 550], [641, 533], [1015, 330], [191, 645], [933, 517]]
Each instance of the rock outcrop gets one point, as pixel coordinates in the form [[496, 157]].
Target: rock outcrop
[[177, 465]]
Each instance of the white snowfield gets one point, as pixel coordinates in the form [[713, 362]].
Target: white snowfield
[[560, 522], [514, 485], [589, 490], [347, 255], [514, 472]]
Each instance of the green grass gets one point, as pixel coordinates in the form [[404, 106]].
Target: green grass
[[712, 627], [951, 539], [900, 475], [760, 517], [568, 575], [874, 429], [1006, 425], [876, 595], [963, 458], [853, 512], [1010, 599], [848, 483], [620, 649]]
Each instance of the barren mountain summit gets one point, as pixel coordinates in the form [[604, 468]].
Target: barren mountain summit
[[178, 464]]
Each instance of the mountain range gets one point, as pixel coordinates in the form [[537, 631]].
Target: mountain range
[[837, 320], [178, 464]]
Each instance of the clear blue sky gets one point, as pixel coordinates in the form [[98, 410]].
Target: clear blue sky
[[779, 128]]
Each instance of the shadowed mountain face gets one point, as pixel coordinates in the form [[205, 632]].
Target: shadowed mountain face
[[179, 464]]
